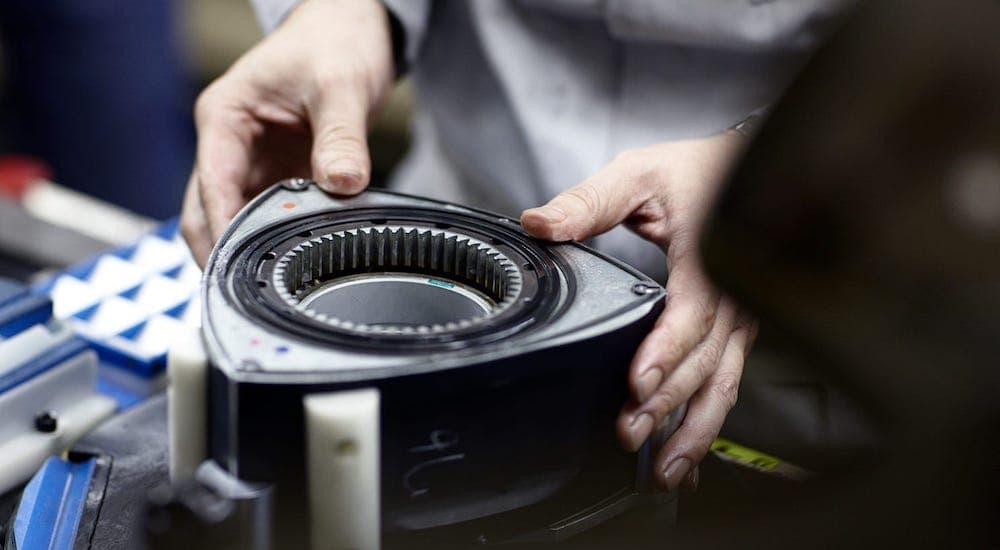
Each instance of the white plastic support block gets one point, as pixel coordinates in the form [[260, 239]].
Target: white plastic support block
[[342, 450], [187, 374], [66, 390], [154, 255], [30, 343], [112, 275], [71, 295]]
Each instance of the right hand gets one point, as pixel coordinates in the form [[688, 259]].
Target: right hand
[[296, 105]]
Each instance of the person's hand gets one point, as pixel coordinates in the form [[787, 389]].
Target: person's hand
[[297, 104], [695, 352]]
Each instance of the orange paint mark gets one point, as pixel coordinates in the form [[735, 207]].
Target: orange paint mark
[[288, 205]]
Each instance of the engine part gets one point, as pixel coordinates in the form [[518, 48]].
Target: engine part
[[495, 365]]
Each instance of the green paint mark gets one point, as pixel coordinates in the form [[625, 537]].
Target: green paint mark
[[442, 284]]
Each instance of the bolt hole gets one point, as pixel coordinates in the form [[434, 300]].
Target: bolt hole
[[440, 225], [529, 267], [304, 233], [270, 255], [46, 422], [250, 365], [641, 289], [378, 221], [262, 284], [345, 447]]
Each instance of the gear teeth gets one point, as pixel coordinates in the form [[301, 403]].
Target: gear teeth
[[434, 251]]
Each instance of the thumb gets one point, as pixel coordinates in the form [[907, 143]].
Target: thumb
[[596, 205], [340, 160]]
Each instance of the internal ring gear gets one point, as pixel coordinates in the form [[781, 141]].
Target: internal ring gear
[[451, 260], [404, 277]]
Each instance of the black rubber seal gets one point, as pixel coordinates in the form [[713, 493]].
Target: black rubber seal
[[257, 257]]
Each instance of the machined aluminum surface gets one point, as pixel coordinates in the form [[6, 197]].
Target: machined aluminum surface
[[543, 294]]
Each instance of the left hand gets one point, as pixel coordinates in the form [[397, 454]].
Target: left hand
[[695, 352]]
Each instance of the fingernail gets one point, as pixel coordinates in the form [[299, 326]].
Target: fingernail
[[647, 383], [675, 472], [639, 429], [342, 175], [690, 483], [552, 214]]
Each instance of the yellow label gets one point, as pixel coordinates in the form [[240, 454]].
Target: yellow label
[[745, 455]]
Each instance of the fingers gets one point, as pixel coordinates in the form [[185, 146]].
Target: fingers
[[691, 309], [340, 160], [706, 413], [594, 206], [225, 148], [194, 225], [638, 418], [690, 481]]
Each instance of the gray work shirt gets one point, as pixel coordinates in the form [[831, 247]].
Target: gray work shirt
[[521, 99]]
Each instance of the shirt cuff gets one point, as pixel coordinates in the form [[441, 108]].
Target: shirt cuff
[[270, 13], [408, 19]]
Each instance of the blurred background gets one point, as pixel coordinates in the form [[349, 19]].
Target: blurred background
[[98, 95]]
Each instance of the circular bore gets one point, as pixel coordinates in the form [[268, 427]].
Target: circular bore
[[397, 299], [395, 278]]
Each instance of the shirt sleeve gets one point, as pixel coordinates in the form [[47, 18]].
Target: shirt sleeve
[[725, 24], [270, 13], [411, 15]]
